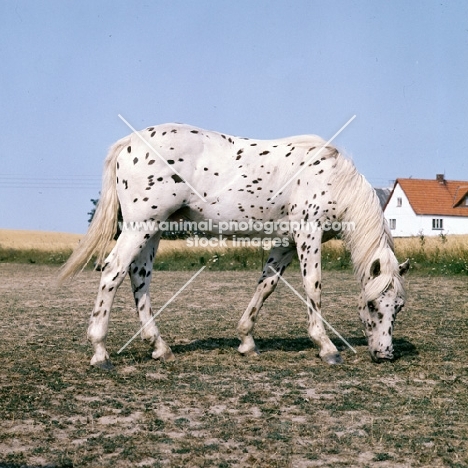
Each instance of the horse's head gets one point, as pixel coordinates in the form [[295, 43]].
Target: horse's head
[[382, 298]]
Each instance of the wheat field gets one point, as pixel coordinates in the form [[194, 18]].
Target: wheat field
[[443, 254]]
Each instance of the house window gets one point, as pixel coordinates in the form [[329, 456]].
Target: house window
[[392, 223], [466, 200], [438, 223], [399, 201]]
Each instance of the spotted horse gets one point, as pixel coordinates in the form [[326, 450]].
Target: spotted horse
[[174, 171]]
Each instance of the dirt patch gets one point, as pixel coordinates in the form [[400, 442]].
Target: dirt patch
[[212, 407]]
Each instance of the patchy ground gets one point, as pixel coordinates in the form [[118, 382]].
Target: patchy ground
[[212, 407]]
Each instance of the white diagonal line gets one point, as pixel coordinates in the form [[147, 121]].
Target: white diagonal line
[[161, 309], [306, 303], [151, 147], [313, 157]]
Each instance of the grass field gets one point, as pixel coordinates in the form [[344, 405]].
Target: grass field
[[431, 255], [214, 408]]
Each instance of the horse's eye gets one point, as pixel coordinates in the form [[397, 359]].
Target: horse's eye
[[371, 306]]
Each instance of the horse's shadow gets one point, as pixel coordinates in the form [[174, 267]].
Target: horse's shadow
[[403, 348]]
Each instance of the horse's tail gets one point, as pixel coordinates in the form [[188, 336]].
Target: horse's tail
[[104, 224]]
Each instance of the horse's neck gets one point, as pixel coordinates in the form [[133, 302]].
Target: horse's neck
[[365, 231]]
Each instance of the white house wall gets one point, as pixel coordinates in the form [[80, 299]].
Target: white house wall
[[410, 224], [407, 223]]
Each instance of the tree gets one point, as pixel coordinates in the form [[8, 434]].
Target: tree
[[95, 201]]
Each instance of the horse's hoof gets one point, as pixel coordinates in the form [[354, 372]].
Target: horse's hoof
[[332, 358], [254, 352], [104, 365], [165, 356]]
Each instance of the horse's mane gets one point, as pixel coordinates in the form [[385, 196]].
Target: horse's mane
[[371, 239]]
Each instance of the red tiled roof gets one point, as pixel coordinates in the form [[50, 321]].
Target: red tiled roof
[[434, 197]]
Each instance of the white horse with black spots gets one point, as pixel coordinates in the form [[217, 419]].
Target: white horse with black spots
[[174, 171]]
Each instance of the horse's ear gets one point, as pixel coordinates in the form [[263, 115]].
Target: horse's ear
[[375, 268], [404, 267]]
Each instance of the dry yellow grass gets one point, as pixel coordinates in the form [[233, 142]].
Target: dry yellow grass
[[38, 240], [60, 241], [55, 241], [453, 244]]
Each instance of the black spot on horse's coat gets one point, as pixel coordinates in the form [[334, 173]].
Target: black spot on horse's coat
[[152, 134], [263, 153], [196, 131], [150, 162], [170, 161], [135, 160], [316, 163], [145, 199], [142, 285], [154, 207], [177, 178], [205, 168], [159, 179], [129, 149]]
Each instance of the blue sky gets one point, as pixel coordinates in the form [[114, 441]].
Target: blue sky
[[254, 68]]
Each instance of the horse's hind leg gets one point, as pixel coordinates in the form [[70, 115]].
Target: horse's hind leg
[[128, 246], [278, 260], [140, 276]]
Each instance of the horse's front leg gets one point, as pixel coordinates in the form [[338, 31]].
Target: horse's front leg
[[278, 260], [309, 252], [140, 275]]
